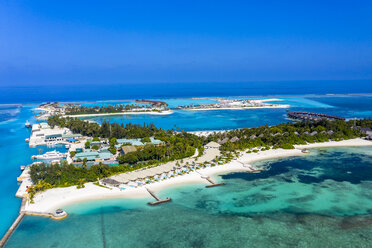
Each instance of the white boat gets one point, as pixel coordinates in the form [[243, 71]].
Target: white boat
[[27, 140], [28, 124], [50, 156]]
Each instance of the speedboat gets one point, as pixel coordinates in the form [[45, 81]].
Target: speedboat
[[28, 124], [50, 156]]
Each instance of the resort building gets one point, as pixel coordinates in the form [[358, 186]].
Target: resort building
[[43, 134], [133, 142], [72, 136], [212, 144], [128, 149], [137, 142], [90, 155], [95, 143], [367, 131], [108, 162], [223, 141], [126, 178], [54, 137]]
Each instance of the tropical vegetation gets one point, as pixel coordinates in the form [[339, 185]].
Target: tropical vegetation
[[179, 145], [117, 108]]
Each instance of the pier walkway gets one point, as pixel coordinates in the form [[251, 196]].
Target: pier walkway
[[158, 200], [251, 168], [212, 183], [11, 229], [22, 212]]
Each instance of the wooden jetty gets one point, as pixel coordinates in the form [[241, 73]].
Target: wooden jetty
[[212, 183], [58, 215], [15, 224], [11, 229], [250, 167], [158, 200], [255, 171]]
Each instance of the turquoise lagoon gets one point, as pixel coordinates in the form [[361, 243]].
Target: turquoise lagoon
[[287, 208], [306, 201], [343, 105]]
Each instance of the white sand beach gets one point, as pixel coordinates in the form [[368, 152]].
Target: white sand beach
[[241, 108], [207, 133], [58, 197]]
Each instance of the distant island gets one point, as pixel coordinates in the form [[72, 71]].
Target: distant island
[[153, 103], [236, 104], [78, 110], [150, 107]]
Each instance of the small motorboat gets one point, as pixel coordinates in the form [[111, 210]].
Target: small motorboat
[[28, 124]]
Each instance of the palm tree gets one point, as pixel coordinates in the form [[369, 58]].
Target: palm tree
[[59, 174]]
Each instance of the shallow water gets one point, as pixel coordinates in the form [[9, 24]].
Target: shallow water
[[15, 152], [277, 208], [348, 106]]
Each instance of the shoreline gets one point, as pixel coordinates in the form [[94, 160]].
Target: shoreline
[[241, 108], [167, 112], [59, 197]]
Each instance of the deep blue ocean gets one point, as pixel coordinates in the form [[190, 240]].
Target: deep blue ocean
[[293, 201], [45, 93]]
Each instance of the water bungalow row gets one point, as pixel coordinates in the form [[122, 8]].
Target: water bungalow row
[[310, 116]]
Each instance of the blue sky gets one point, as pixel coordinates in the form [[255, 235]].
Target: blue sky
[[69, 42]]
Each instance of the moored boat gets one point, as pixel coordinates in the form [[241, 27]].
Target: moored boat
[[50, 156], [28, 124]]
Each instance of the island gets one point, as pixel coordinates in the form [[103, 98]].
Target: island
[[153, 103], [112, 160], [78, 110], [236, 104], [109, 160]]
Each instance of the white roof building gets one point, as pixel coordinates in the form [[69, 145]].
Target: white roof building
[[212, 144]]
